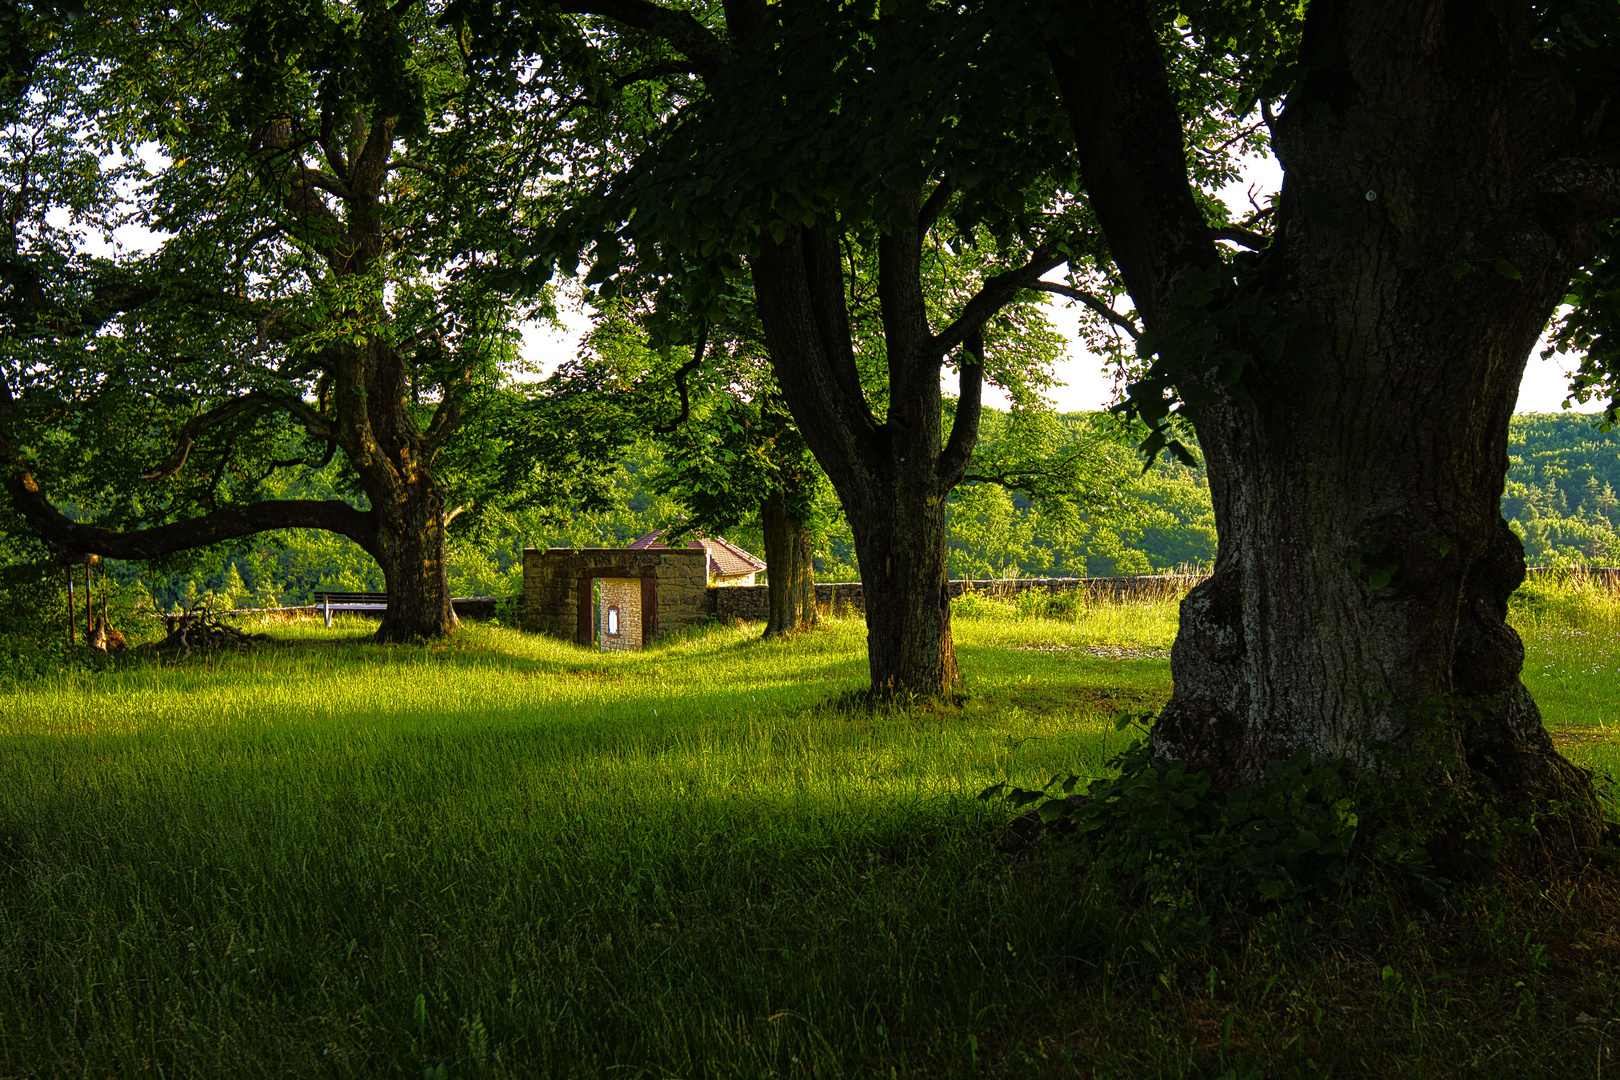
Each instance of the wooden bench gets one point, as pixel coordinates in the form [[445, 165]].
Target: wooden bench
[[329, 602]]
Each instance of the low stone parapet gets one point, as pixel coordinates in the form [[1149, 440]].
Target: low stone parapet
[[751, 603], [476, 608]]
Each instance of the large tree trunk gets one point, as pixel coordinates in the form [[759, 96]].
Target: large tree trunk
[[900, 543], [791, 580], [410, 550], [393, 459], [1423, 238]]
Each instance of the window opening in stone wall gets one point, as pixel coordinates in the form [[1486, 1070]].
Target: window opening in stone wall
[[613, 621]]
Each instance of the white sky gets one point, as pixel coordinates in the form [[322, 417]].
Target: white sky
[[1083, 382], [1085, 385]]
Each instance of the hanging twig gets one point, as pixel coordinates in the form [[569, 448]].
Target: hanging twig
[[680, 380]]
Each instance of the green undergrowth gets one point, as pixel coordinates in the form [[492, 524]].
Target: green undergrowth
[[509, 856]]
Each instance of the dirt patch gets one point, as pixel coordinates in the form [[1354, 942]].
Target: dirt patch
[[1106, 652], [1583, 735]]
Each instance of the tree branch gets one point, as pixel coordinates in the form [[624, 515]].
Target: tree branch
[[935, 204], [195, 427], [211, 528], [679, 28], [1592, 183], [407, 163], [1095, 303], [994, 295], [680, 381], [324, 181], [653, 71], [953, 460], [314, 423], [228, 524], [1237, 234], [446, 418], [1111, 73]]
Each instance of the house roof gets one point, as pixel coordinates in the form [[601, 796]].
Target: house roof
[[725, 558]]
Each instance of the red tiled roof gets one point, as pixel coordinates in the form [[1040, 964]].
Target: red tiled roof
[[725, 558]]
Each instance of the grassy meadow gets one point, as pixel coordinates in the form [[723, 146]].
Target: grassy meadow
[[510, 856]]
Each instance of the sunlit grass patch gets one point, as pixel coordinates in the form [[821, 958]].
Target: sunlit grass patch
[[1570, 624]]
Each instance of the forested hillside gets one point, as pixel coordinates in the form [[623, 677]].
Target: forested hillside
[[1561, 499], [1560, 495]]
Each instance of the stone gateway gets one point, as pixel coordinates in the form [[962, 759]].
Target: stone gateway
[[614, 598]]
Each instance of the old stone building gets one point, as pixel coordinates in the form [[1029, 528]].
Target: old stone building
[[624, 598], [574, 593]]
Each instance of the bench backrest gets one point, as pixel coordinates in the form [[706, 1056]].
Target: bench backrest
[[352, 597]]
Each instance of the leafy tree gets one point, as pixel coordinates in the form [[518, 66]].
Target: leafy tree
[[1560, 497], [328, 194], [886, 209]]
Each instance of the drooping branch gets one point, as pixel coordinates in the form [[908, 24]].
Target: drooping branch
[[680, 382], [287, 463], [1095, 303], [211, 528]]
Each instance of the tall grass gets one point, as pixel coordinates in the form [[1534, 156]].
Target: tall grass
[[512, 856]]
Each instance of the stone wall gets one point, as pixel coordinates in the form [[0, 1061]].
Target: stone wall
[[474, 608], [751, 603], [551, 580], [624, 594]]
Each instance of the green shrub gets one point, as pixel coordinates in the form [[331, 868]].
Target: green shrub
[[1305, 833], [981, 606], [1066, 605]]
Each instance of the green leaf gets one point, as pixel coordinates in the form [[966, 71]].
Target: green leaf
[[1508, 270], [1056, 808]]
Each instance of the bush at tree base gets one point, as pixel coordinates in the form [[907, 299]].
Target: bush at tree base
[[1304, 834]]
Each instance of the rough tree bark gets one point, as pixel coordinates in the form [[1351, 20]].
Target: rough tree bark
[[1441, 184], [792, 577]]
